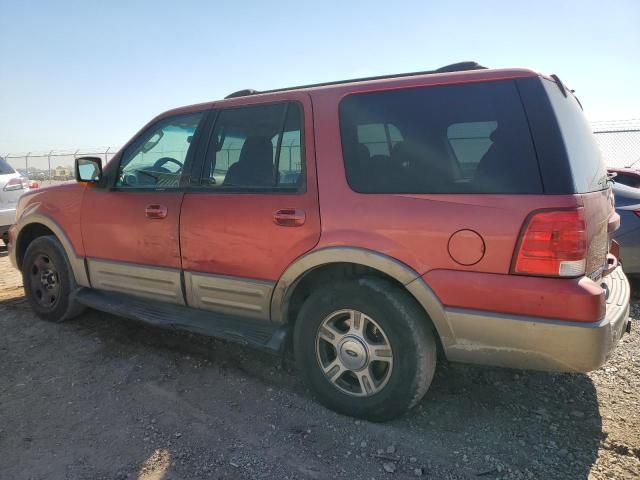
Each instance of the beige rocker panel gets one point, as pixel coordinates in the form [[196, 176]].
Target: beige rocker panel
[[229, 295], [156, 283]]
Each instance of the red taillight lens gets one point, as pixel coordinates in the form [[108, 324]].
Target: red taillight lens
[[553, 243], [14, 184], [637, 213]]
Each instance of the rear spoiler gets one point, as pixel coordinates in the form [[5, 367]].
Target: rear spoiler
[[563, 89]]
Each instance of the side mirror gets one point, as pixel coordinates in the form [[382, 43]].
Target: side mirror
[[88, 169]]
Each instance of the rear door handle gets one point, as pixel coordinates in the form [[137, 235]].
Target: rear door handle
[[289, 217], [156, 212]]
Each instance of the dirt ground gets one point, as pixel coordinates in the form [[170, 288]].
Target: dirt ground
[[101, 397]]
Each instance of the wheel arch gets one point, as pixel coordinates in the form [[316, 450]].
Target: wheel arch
[[365, 261], [33, 226]]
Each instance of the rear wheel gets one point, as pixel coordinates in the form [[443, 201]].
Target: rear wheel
[[48, 281], [365, 348]]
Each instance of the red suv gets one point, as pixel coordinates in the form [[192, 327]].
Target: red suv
[[369, 224]]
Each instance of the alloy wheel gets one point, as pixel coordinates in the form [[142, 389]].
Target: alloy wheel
[[354, 353]]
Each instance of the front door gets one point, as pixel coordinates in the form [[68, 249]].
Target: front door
[[130, 229], [254, 209]]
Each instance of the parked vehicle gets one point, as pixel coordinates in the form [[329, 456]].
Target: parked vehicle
[[12, 185], [463, 210], [627, 200], [626, 176]]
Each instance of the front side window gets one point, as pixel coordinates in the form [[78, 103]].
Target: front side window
[[470, 138], [157, 158], [255, 148]]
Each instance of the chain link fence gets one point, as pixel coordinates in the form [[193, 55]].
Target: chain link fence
[[54, 166], [619, 141]]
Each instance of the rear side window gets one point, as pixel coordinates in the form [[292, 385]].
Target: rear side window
[[470, 138], [256, 148], [587, 166], [5, 168]]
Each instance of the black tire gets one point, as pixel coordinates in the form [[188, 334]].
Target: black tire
[[403, 325], [45, 261]]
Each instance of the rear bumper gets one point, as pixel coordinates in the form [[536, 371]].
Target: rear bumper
[[540, 344]]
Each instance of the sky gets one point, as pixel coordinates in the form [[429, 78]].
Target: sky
[[92, 73]]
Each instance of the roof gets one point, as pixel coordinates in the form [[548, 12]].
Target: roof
[[461, 69], [456, 73]]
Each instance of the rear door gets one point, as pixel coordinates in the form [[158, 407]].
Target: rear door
[[252, 208]]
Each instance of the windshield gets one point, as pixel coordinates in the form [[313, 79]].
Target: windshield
[[5, 168]]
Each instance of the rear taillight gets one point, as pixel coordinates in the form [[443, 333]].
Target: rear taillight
[[16, 183], [553, 243]]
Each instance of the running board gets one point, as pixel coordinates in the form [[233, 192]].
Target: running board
[[259, 334]]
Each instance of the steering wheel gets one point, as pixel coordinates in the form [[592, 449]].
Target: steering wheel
[[164, 160]]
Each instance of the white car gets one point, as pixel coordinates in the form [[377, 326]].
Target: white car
[[12, 185]]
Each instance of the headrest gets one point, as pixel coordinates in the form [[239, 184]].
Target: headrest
[[363, 151], [257, 150]]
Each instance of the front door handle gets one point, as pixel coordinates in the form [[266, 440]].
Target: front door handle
[[156, 212], [289, 217]]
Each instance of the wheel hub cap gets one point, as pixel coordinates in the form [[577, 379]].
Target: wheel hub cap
[[353, 354], [48, 279]]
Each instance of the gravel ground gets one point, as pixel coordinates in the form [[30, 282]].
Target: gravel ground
[[101, 397]]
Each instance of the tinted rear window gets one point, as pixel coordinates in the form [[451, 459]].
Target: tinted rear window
[[470, 138], [5, 167], [587, 166]]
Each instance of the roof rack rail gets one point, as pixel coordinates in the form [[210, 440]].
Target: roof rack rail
[[454, 67], [242, 93]]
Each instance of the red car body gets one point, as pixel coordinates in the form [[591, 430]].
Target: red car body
[[455, 253]]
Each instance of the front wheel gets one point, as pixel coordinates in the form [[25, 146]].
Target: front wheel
[[365, 348], [48, 280]]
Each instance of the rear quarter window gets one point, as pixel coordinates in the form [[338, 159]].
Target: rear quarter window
[[468, 138], [585, 159]]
